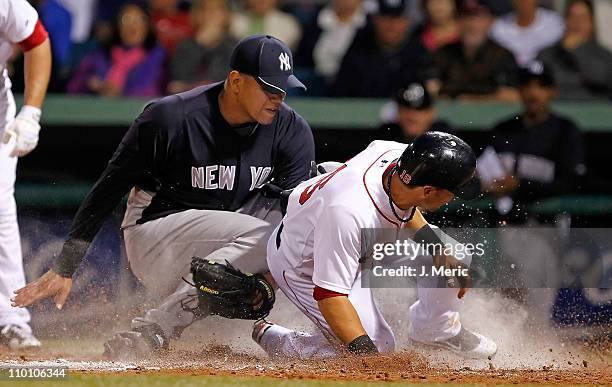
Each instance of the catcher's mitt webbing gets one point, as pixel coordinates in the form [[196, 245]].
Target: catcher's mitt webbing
[[226, 291]]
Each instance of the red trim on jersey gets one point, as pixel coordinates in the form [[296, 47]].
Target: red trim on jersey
[[36, 38], [368, 191], [391, 165], [320, 294]]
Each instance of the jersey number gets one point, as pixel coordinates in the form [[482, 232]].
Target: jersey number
[[310, 190]]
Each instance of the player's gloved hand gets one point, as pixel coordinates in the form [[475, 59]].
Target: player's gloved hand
[[48, 285], [226, 291], [271, 190], [323, 168], [24, 129]]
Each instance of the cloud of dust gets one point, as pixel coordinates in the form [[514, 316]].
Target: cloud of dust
[[525, 338], [523, 333]]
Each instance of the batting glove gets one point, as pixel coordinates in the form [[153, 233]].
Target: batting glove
[[24, 129]]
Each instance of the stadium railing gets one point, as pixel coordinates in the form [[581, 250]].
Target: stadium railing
[[89, 111]]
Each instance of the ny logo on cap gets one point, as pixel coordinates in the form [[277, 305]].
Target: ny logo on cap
[[285, 62], [414, 93]]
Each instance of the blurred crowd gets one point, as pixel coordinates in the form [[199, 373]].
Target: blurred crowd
[[458, 49], [535, 154]]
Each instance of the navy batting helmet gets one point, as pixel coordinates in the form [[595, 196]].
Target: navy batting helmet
[[440, 160]]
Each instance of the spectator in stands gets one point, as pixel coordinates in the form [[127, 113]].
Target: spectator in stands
[[171, 23], [205, 57], [58, 22], [131, 65], [304, 11], [263, 17], [527, 30], [441, 26], [325, 41], [416, 114], [581, 66], [82, 13], [603, 27], [377, 62], [540, 152], [476, 68], [69, 23], [499, 7], [106, 13]]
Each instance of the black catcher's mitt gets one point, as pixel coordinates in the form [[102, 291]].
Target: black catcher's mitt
[[226, 291]]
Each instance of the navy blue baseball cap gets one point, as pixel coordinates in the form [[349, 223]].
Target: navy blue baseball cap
[[268, 60], [414, 96], [392, 7], [536, 71]]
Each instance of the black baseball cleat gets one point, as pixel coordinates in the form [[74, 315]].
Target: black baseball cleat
[[138, 343]]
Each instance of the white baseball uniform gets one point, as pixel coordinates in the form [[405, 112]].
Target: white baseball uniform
[[319, 244], [17, 22]]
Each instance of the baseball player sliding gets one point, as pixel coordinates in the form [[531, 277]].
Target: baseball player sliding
[[193, 164], [19, 25], [314, 254]]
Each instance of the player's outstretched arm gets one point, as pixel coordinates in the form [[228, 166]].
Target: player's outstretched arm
[[126, 168], [49, 285], [346, 325], [425, 235]]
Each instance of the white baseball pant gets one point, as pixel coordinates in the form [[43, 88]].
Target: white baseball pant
[[11, 260], [435, 316]]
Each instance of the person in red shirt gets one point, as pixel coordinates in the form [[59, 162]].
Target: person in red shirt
[[442, 26], [171, 23]]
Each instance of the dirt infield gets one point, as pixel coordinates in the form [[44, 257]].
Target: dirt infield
[[528, 352], [403, 366]]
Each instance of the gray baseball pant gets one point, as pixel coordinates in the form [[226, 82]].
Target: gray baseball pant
[[160, 251]]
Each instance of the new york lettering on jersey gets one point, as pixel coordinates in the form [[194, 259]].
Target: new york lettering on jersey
[[223, 177], [213, 177]]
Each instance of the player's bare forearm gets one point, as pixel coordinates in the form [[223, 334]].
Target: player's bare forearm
[[342, 318], [37, 70]]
